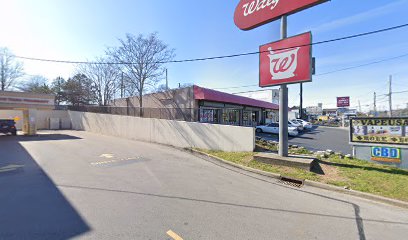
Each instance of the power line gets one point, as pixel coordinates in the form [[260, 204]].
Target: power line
[[218, 57], [334, 71], [363, 65], [400, 92], [254, 85]]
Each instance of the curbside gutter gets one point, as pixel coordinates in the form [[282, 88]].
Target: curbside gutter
[[253, 170], [364, 195]]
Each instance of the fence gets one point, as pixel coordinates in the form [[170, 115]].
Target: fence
[[180, 114]]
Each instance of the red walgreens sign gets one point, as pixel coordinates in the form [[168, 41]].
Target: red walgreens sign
[[286, 61], [250, 14], [343, 102]]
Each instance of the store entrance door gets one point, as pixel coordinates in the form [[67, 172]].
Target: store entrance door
[[255, 118]]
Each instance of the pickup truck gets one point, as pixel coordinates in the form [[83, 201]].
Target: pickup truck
[[8, 126]]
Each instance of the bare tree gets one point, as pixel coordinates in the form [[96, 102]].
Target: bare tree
[[161, 88], [10, 69], [143, 62], [36, 84], [104, 79]]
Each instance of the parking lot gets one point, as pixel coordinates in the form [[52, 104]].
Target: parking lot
[[72, 184], [319, 138]]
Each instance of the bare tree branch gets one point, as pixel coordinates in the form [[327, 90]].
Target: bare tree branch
[[104, 79], [142, 61], [10, 69]]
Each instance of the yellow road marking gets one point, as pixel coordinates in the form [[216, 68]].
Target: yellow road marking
[[174, 235]]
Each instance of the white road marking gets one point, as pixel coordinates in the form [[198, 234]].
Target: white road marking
[[114, 161], [106, 155]]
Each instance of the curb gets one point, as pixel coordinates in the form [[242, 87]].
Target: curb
[[253, 170], [368, 196]]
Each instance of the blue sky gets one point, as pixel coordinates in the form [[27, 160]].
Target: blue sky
[[82, 29]]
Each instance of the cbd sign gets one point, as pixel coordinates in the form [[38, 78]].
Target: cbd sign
[[386, 154], [286, 61], [250, 14]]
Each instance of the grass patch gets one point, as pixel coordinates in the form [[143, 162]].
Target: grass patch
[[356, 174], [372, 178], [246, 159]]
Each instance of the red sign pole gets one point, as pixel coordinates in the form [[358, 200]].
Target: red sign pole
[[283, 103]]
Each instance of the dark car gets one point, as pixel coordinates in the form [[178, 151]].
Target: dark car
[[8, 126]]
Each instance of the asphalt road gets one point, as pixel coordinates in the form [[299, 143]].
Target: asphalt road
[[78, 185], [320, 138]]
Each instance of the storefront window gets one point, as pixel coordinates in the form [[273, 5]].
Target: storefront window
[[208, 115], [231, 116], [270, 117], [246, 118], [255, 118]]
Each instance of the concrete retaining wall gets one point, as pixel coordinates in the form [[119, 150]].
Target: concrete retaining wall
[[169, 132], [42, 117]]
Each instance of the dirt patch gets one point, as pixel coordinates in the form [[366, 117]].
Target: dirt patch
[[247, 159], [331, 173]]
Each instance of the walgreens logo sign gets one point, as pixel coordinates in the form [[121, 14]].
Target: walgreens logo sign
[[286, 61], [253, 13]]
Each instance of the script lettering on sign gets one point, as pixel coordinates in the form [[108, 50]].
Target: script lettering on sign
[[253, 13], [257, 5]]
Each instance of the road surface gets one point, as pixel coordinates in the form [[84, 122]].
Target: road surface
[[320, 138], [79, 185]]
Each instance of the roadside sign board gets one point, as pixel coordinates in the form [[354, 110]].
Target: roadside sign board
[[343, 102], [386, 154], [286, 61], [250, 14], [392, 131]]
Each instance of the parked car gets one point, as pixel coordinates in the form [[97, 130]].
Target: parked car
[[8, 126], [306, 124], [274, 128], [299, 126]]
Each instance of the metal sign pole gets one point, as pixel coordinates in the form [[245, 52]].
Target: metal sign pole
[[283, 104]]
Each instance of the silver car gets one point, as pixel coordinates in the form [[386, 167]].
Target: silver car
[[274, 128]]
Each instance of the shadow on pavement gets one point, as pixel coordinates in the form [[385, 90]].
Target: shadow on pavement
[[31, 206], [39, 137], [236, 204]]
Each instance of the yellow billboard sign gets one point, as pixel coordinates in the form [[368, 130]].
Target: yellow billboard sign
[[379, 130]]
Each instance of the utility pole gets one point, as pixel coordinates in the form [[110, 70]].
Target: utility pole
[[301, 102], [390, 97], [167, 81], [121, 86], [375, 104], [359, 106]]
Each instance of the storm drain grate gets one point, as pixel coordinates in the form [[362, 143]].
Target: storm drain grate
[[291, 181]]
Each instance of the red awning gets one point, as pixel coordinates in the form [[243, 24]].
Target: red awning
[[217, 96]]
